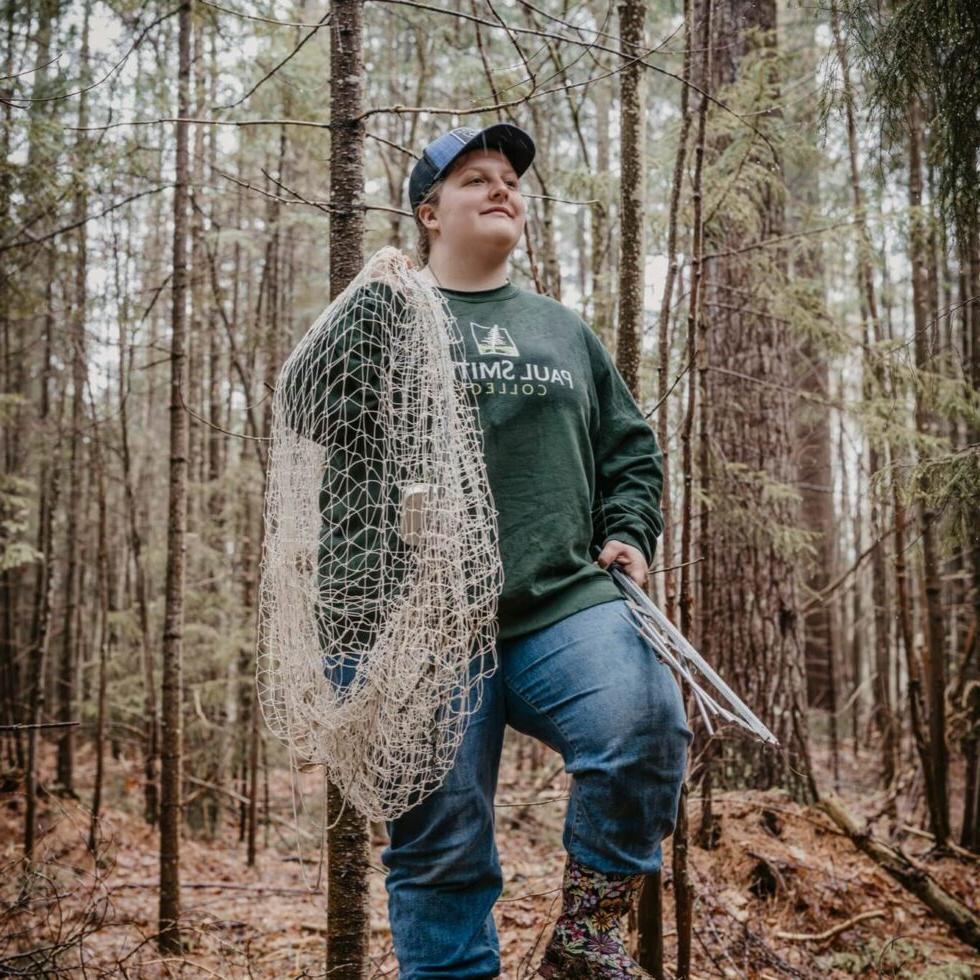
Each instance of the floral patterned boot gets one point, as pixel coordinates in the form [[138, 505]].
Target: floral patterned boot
[[586, 943]]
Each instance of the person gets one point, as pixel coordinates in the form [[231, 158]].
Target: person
[[575, 472]]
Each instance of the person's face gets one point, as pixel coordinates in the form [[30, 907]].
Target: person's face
[[480, 205]]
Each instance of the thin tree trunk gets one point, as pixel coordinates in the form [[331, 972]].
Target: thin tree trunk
[[683, 890], [663, 325], [925, 424], [169, 938], [10, 711], [105, 628], [602, 299], [347, 838], [683, 893], [857, 615], [632, 281], [16, 378], [970, 833], [883, 713], [151, 714], [821, 635], [68, 668], [42, 633], [632, 240], [650, 910], [197, 284]]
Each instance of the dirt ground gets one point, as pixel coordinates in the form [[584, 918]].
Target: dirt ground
[[780, 876]]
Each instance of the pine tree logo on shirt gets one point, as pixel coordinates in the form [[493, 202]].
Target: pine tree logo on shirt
[[494, 340]]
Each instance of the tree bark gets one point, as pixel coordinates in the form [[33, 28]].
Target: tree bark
[[169, 938], [883, 715], [663, 325], [753, 357], [69, 664], [632, 196], [105, 628], [151, 714], [816, 479], [42, 628], [347, 838], [925, 423], [683, 894], [970, 832], [601, 296]]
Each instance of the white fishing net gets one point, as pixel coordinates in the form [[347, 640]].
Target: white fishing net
[[380, 565]]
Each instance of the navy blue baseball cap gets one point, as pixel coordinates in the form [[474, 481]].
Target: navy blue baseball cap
[[511, 140]]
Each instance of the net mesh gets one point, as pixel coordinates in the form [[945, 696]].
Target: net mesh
[[380, 566]]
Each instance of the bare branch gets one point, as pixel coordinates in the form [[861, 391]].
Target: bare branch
[[10, 245], [325, 20], [778, 239], [14, 100]]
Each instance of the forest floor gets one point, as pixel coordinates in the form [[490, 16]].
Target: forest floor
[[780, 873]]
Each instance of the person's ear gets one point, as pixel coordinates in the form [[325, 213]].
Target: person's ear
[[427, 216]]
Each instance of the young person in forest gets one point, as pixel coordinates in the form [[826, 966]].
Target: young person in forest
[[574, 469]]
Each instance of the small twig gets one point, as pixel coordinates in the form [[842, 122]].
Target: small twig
[[44, 724], [952, 845], [238, 798], [816, 937], [551, 799], [778, 239], [225, 886]]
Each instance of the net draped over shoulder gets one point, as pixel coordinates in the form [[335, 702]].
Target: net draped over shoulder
[[381, 569]]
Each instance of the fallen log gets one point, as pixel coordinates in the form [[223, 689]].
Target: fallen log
[[963, 923]]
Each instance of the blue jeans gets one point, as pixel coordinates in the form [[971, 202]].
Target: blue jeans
[[590, 688]]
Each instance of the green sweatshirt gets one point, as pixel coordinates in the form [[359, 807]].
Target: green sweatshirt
[[571, 461]]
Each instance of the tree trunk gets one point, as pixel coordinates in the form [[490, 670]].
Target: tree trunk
[[151, 714], [41, 632], [816, 479], [169, 938], [970, 832], [69, 665], [197, 283], [935, 651], [683, 894], [347, 838], [9, 711], [105, 628], [632, 240], [663, 327], [601, 297], [753, 359]]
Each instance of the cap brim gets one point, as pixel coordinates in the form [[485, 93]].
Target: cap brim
[[509, 139]]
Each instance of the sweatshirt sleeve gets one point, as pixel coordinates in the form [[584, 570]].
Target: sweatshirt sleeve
[[332, 377], [628, 461]]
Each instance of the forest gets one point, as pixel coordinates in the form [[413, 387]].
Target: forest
[[767, 211]]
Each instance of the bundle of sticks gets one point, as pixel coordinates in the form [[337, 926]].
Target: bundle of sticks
[[672, 647]]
